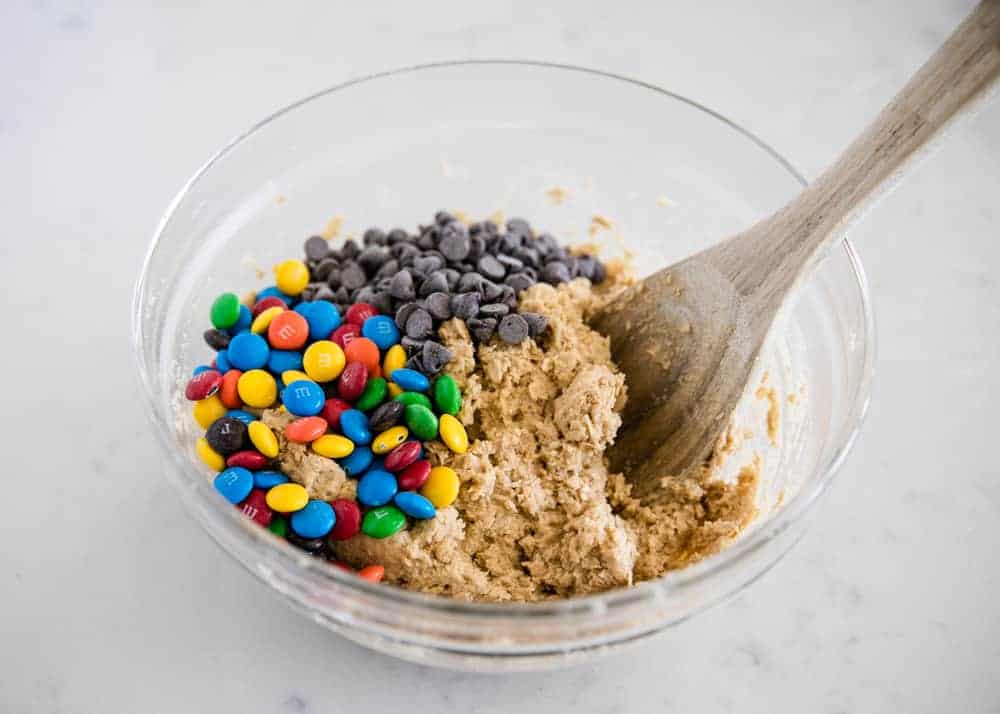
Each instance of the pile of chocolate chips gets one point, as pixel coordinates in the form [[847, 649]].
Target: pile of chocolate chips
[[446, 270]]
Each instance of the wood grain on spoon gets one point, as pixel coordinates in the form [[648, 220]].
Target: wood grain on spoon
[[688, 337]]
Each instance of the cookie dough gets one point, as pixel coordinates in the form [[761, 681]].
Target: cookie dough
[[539, 515]]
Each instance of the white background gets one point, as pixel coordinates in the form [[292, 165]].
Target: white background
[[113, 601]]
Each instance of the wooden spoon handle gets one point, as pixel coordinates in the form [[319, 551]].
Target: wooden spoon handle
[[767, 259]]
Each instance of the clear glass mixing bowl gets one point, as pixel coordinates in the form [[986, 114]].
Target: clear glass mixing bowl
[[392, 149]]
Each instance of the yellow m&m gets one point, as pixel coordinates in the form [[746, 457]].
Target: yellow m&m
[[453, 434], [212, 458], [323, 361], [291, 276], [287, 498], [389, 439], [333, 446], [441, 488], [395, 358], [263, 320], [206, 411], [257, 388], [263, 438], [293, 375]]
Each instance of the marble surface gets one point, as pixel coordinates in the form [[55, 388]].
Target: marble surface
[[113, 601]]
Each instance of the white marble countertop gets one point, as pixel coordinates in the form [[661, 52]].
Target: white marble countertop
[[112, 600]]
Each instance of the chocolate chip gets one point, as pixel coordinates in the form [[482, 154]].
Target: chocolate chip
[[439, 306], [557, 254], [435, 356], [511, 242], [350, 249], [477, 247], [555, 273], [325, 295], [519, 281], [428, 239], [585, 265], [317, 248], [443, 217], [365, 294], [323, 292], [465, 305], [419, 324], [414, 363], [385, 416], [388, 269], [493, 244], [404, 252], [600, 272], [352, 275], [217, 339], [511, 264], [497, 310], [536, 323], [436, 283], [227, 435], [451, 276], [528, 256], [519, 226], [401, 287], [513, 329], [372, 258], [482, 329], [341, 295], [396, 235], [382, 301], [374, 236], [469, 283], [325, 268], [489, 267], [428, 263], [509, 298], [403, 314], [411, 345], [545, 244], [454, 242], [490, 290]]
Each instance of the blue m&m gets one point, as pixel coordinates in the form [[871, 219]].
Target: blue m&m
[[303, 398], [376, 488], [354, 425], [382, 330], [323, 318], [235, 483], [315, 520], [410, 380], [248, 351]]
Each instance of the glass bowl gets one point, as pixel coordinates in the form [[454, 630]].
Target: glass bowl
[[392, 149]]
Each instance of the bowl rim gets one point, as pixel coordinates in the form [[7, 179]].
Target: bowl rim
[[790, 514]]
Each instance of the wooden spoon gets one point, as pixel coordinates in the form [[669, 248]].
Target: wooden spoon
[[688, 337]]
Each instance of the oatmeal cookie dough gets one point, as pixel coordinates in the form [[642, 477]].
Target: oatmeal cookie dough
[[322, 478], [539, 515]]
